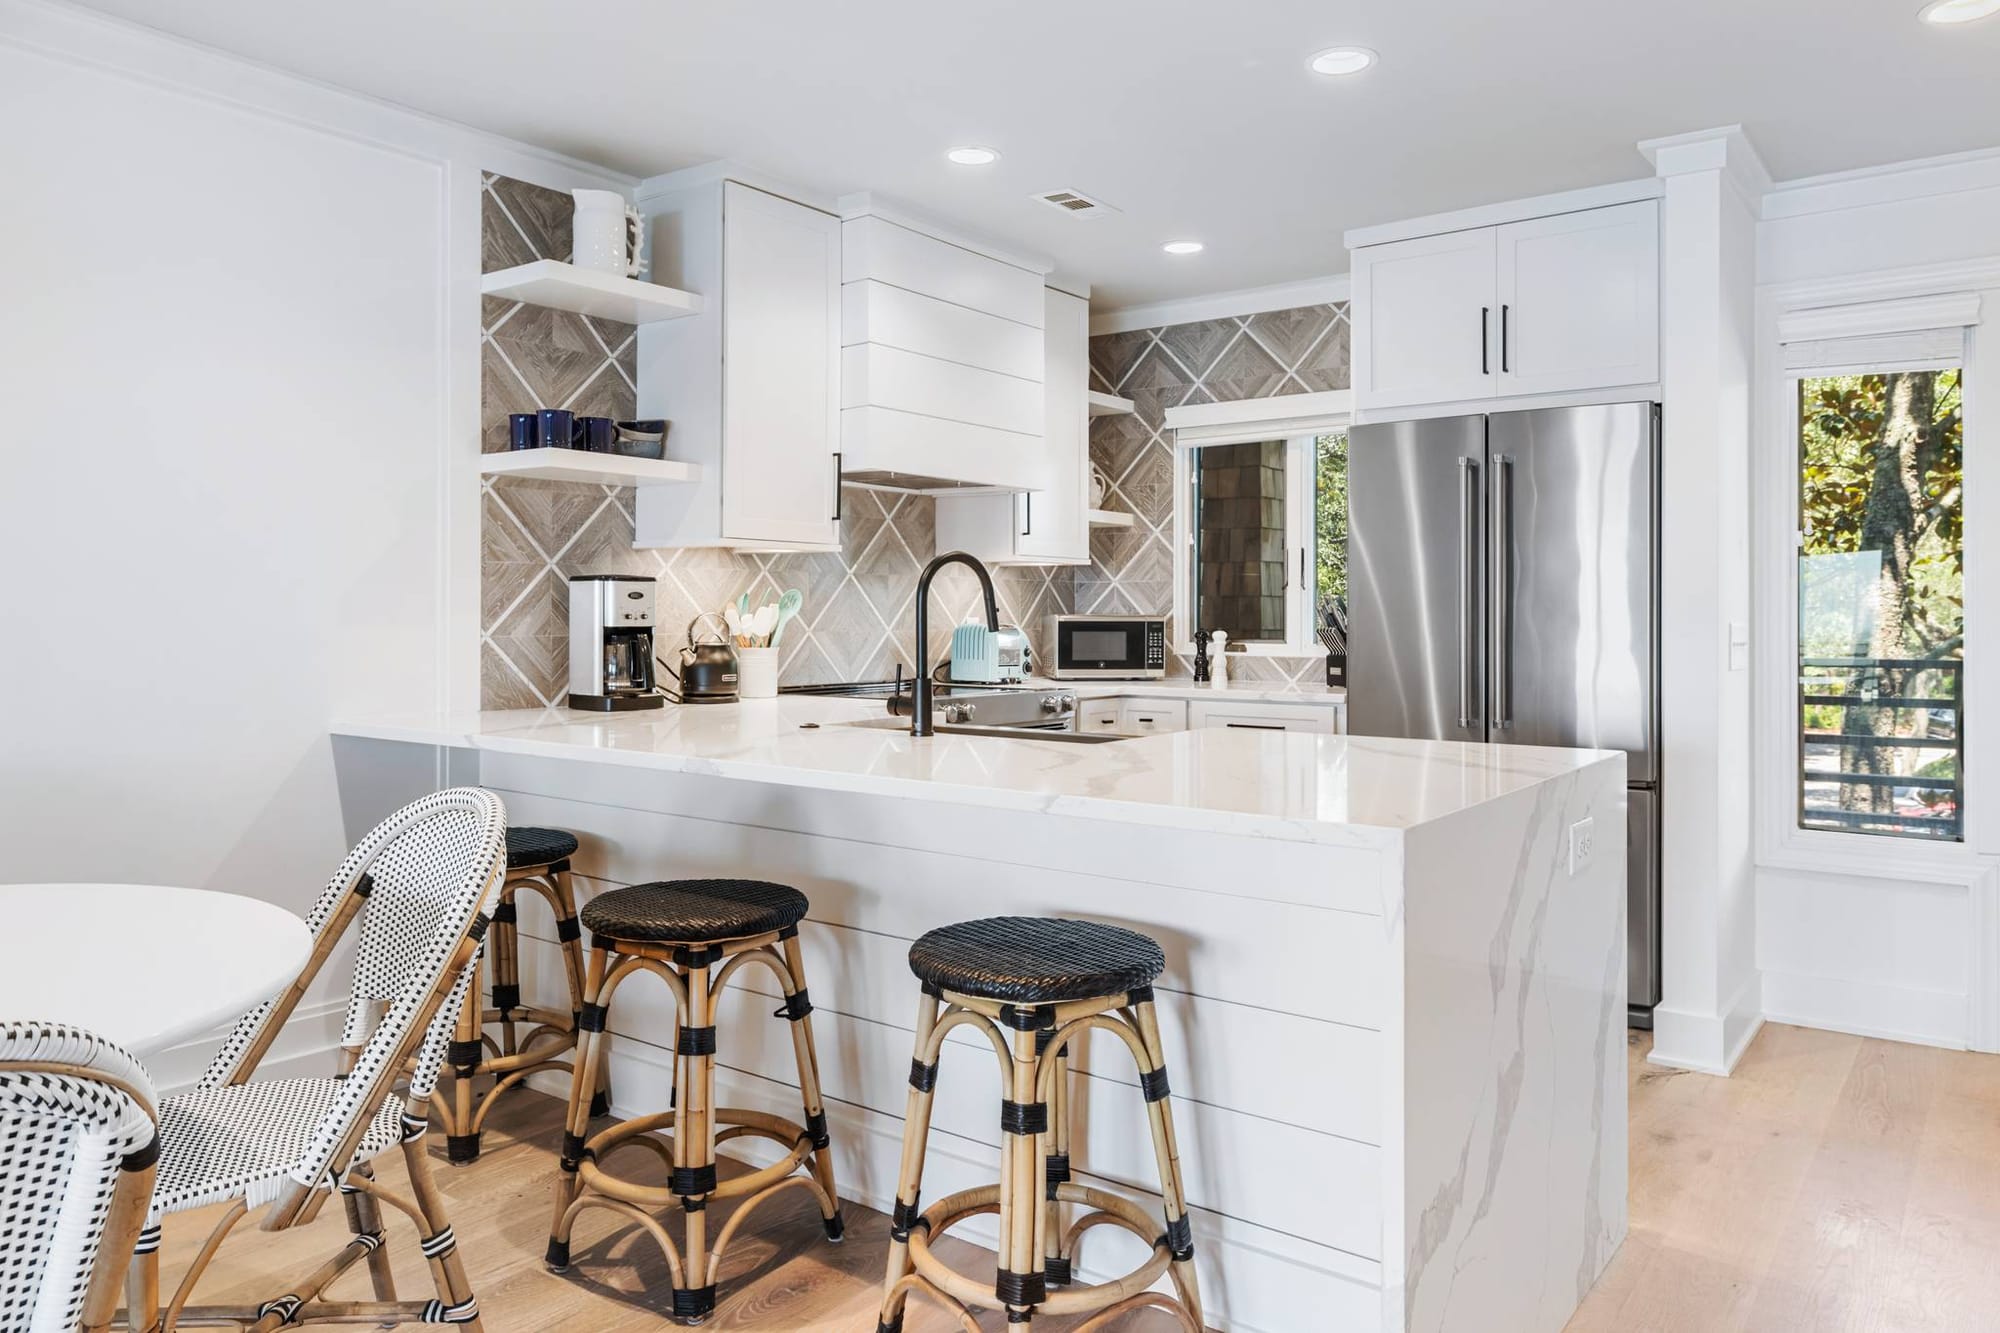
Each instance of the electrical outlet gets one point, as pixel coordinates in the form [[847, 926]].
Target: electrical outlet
[[1582, 834]]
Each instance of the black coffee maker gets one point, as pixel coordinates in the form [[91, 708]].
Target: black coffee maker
[[611, 643]]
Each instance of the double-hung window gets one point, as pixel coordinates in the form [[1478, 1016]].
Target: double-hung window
[[1879, 435]]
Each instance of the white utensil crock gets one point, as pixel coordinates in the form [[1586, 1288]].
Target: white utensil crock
[[606, 235], [756, 673]]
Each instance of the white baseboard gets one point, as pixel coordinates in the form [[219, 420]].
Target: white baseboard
[[1709, 1043], [1867, 1008], [305, 1047]]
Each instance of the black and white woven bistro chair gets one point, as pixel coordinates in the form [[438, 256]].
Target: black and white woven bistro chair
[[512, 1040], [417, 891], [1031, 986], [694, 935], [78, 1142]]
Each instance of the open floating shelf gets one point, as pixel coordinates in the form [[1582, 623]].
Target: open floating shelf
[[560, 286], [1108, 404], [1109, 518], [575, 465]]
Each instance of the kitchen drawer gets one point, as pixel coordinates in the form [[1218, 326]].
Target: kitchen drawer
[[875, 249], [1142, 717], [1321, 718], [1097, 715]]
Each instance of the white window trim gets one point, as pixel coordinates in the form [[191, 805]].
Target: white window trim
[[1299, 420], [1818, 311]]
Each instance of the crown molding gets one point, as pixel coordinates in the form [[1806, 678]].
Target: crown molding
[[1726, 149], [1222, 305], [1891, 182]]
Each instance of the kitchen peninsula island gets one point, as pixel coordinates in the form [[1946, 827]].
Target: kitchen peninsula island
[[1393, 1006]]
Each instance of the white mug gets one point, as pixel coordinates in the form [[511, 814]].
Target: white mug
[[607, 235]]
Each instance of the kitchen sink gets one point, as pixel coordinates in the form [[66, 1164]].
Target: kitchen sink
[[1007, 733]]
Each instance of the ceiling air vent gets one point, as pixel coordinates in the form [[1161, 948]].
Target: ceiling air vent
[[1075, 204]]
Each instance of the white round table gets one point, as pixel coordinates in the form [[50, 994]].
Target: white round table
[[142, 965]]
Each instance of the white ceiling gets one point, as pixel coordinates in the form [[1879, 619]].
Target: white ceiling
[[1196, 118]]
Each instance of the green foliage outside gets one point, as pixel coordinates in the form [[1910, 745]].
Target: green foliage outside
[[1882, 574], [1330, 527]]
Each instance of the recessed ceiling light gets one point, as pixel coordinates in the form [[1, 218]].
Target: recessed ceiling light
[[973, 156], [1959, 11], [1354, 59], [1182, 247]]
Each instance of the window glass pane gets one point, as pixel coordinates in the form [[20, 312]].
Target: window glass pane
[[1330, 552], [1881, 605], [1239, 540]]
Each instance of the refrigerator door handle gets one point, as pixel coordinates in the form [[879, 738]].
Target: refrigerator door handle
[[1468, 631], [1503, 591]]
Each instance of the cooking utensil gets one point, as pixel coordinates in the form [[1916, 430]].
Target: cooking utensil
[[762, 624], [788, 606]]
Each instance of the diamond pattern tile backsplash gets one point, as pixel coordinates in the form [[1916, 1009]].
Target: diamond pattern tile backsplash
[[859, 610], [1304, 350]]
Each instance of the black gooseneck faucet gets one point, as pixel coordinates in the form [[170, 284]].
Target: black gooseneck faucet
[[920, 690]]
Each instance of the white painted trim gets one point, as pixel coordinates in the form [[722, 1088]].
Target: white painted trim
[[1704, 1042], [1959, 275], [653, 188], [1726, 149], [1259, 418], [1869, 319], [1866, 1009], [1533, 402], [1892, 182], [867, 204], [1982, 976], [1512, 210], [305, 1048], [1330, 290]]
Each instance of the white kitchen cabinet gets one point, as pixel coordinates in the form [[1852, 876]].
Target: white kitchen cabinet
[[1423, 320], [1580, 300], [1542, 305], [942, 362], [1098, 715], [1321, 718], [1143, 717], [751, 385], [1049, 525]]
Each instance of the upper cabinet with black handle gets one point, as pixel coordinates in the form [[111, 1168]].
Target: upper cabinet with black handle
[[1543, 305]]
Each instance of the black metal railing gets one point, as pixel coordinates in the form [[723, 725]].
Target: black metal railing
[[1893, 759]]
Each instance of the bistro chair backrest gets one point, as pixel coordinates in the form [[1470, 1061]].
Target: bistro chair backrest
[[78, 1143]]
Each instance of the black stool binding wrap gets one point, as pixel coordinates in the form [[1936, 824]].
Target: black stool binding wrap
[[524, 1038], [1032, 986], [693, 936]]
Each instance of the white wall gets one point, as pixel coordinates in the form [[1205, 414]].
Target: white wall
[[239, 369], [1884, 938]]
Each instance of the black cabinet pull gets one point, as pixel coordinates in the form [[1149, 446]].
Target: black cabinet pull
[[1027, 512], [1253, 726], [1485, 323], [1503, 340], [836, 485]]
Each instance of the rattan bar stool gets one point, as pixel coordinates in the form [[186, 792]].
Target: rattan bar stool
[[1032, 986], [537, 860], [693, 934]]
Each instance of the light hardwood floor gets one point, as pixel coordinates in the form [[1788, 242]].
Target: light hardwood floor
[[1835, 1183]]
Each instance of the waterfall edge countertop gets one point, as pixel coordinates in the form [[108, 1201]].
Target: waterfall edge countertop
[[1294, 786]]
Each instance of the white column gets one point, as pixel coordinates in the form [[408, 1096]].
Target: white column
[[1710, 1006]]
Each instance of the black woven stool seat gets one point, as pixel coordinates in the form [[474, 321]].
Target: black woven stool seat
[[538, 847], [1035, 960], [694, 911]]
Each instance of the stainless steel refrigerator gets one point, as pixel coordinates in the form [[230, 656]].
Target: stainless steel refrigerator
[[1503, 586]]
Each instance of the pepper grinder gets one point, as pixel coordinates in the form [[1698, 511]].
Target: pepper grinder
[[1218, 657], [1200, 657]]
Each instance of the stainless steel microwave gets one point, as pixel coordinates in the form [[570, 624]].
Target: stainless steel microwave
[[1108, 647]]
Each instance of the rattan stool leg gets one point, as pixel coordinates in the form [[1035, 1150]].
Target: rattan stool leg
[[798, 1007], [694, 1140], [142, 1291], [569, 937], [468, 1047], [589, 1054], [503, 950], [1055, 1162], [909, 1183], [1019, 1282], [1180, 1235]]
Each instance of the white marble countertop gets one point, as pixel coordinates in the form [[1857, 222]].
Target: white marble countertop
[[1288, 785], [1182, 688]]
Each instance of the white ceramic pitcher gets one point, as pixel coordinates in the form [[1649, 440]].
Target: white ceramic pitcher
[[607, 235]]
